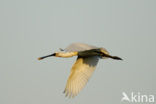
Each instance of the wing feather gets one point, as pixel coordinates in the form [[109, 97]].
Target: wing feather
[[80, 74], [79, 47]]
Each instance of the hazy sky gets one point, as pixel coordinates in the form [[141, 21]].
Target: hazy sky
[[34, 28]]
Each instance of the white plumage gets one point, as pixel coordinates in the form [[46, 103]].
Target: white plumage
[[79, 47], [80, 74], [81, 71]]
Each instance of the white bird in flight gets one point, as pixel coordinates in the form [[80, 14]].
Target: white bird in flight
[[81, 71]]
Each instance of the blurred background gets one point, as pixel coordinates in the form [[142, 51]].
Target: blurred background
[[34, 28]]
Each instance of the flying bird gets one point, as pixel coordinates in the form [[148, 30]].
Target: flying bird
[[81, 71]]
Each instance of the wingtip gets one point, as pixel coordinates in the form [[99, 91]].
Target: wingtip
[[68, 95]]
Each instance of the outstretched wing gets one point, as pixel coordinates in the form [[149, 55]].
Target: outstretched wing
[[79, 47], [79, 75]]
